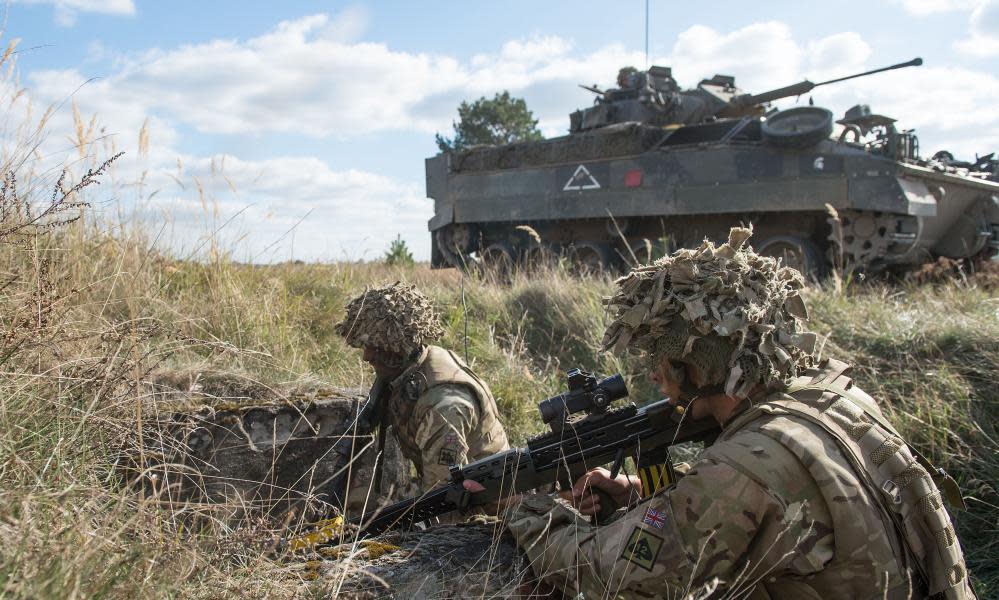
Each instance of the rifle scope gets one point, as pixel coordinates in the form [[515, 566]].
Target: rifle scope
[[585, 393]]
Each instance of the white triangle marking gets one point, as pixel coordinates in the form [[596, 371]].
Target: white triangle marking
[[581, 179]]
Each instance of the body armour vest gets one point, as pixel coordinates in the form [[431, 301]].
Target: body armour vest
[[437, 366], [905, 533]]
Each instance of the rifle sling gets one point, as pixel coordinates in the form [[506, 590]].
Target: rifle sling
[[377, 397]]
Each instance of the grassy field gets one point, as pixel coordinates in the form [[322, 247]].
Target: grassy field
[[89, 316]]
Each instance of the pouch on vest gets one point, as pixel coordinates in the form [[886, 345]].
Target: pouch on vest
[[909, 492]]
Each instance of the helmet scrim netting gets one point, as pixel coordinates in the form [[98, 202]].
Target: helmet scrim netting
[[738, 317], [396, 318]]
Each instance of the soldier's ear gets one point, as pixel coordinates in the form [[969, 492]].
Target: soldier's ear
[[693, 375]]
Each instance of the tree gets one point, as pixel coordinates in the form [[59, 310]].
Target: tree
[[502, 120], [398, 253]]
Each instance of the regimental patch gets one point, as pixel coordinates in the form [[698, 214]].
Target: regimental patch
[[655, 518], [642, 548], [448, 457]]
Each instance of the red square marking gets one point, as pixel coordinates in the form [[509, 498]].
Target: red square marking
[[633, 178]]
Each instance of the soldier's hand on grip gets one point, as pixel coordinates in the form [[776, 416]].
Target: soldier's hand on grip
[[621, 490], [471, 486]]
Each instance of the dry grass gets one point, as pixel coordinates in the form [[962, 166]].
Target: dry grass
[[931, 350]]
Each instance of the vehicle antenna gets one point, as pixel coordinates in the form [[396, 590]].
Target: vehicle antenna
[[646, 34]]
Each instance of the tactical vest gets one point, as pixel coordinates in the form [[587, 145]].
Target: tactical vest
[[438, 366], [897, 477]]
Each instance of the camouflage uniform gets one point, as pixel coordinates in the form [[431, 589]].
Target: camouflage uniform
[[808, 493], [443, 414], [440, 411]]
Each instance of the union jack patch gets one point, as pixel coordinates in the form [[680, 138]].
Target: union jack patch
[[654, 517]]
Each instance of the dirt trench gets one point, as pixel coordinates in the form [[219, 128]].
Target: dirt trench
[[261, 453]]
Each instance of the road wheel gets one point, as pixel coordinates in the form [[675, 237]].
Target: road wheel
[[498, 259], [540, 257], [798, 127], [795, 251], [456, 242], [588, 258]]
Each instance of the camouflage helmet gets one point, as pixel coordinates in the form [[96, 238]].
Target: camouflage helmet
[[395, 318], [738, 317], [626, 77]]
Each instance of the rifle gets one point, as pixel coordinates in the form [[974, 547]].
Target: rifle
[[573, 446], [369, 417]]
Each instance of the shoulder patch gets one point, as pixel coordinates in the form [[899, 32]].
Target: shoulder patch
[[655, 518], [447, 457], [642, 548], [414, 386]]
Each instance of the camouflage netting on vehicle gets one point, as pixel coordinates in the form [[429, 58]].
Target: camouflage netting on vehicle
[[616, 140], [714, 306], [396, 318]]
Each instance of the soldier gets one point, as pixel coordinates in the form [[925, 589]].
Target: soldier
[[808, 492], [440, 411], [627, 77]]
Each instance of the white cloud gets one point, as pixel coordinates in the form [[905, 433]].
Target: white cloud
[[983, 31], [348, 26], [344, 212], [945, 99], [305, 77], [66, 10], [922, 8], [349, 214], [838, 55], [96, 51], [760, 55]]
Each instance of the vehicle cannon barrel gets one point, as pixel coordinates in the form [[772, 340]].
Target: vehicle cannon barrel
[[803, 87]]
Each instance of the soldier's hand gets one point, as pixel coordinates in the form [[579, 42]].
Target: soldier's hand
[[622, 491], [494, 508]]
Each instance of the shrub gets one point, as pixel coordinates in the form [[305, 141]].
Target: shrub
[[398, 253]]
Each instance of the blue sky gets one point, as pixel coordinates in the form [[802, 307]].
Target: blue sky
[[310, 121]]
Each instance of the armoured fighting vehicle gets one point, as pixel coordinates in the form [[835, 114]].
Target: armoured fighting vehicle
[[651, 166]]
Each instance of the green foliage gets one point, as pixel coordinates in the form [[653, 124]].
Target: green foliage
[[398, 253], [500, 120]]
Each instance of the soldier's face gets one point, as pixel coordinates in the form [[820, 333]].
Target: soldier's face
[[385, 364], [668, 378]]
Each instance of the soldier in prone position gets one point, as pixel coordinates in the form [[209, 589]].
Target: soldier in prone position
[[439, 410], [808, 493]]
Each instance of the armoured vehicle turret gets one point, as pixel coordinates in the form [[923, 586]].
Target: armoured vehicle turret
[[651, 166]]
